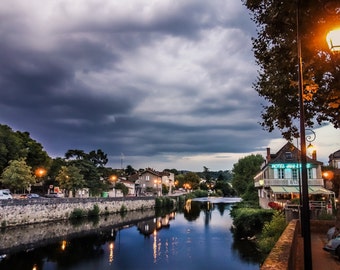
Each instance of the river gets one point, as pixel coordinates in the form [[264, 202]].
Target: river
[[197, 237]]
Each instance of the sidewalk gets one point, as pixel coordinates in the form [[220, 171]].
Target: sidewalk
[[320, 259]]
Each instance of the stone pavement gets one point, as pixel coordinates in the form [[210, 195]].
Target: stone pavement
[[321, 260]]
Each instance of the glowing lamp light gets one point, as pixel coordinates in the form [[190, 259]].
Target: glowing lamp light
[[333, 40]]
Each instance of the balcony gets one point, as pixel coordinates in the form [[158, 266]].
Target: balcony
[[287, 182]]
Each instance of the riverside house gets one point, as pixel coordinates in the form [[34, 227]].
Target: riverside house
[[151, 181], [278, 182]]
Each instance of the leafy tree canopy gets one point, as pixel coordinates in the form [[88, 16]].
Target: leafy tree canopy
[[18, 175], [275, 49], [244, 171], [17, 145], [70, 178], [192, 179]]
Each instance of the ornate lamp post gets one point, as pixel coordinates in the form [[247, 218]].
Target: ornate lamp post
[[305, 215], [311, 138]]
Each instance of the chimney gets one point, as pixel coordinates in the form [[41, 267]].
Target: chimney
[[268, 154], [314, 155]]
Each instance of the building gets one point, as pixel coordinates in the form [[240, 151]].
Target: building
[[150, 182], [334, 160], [278, 182]]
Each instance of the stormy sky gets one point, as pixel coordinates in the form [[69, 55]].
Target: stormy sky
[[153, 83]]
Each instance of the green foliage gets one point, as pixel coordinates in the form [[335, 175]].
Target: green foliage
[[18, 175], [123, 188], [94, 211], [3, 224], [244, 171], [164, 202], [19, 145], [225, 188], [249, 221], [275, 49], [197, 194], [69, 178], [271, 232], [123, 209], [165, 189], [192, 179], [129, 170], [77, 213]]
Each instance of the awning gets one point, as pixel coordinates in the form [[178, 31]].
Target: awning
[[320, 190], [296, 190], [284, 189]]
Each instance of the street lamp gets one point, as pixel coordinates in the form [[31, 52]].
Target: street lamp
[[305, 215], [333, 40], [113, 180], [311, 138]]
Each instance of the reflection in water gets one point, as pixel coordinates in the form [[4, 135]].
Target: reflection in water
[[63, 245], [193, 241], [111, 248]]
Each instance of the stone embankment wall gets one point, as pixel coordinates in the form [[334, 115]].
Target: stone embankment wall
[[30, 236], [22, 212], [286, 253]]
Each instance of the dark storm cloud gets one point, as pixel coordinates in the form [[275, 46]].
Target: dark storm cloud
[[159, 81]]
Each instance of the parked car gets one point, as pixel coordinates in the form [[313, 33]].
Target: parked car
[[33, 196], [54, 195], [23, 196], [5, 194], [333, 245]]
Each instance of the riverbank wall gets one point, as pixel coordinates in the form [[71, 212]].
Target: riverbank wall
[[287, 252], [23, 212], [34, 235]]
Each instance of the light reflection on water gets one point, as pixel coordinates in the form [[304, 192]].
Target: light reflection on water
[[197, 238]]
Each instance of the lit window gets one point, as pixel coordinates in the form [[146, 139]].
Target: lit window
[[294, 173], [281, 173]]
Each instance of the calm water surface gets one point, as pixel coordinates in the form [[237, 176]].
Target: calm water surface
[[198, 237]]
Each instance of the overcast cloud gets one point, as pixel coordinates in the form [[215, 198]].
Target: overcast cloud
[[163, 84]]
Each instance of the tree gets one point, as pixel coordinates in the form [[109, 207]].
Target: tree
[[18, 175], [243, 173], [275, 50], [70, 178], [98, 158], [75, 154], [123, 188], [206, 173], [129, 170], [17, 145], [91, 175], [191, 179]]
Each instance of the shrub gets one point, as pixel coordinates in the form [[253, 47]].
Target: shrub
[[123, 209], [250, 221], [164, 202], [77, 213], [272, 231], [94, 211]]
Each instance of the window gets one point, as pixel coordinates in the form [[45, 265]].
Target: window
[[294, 173], [281, 173], [310, 173], [289, 155], [147, 177]]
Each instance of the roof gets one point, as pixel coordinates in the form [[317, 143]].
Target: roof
[[334, 155], [281, 157]]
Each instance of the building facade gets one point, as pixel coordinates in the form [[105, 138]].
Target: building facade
[[278, 182], [150, 182]]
